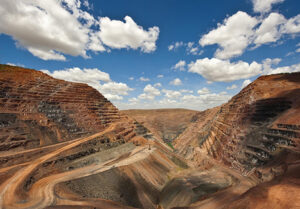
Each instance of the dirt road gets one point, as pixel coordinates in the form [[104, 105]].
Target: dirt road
[[41, 193]]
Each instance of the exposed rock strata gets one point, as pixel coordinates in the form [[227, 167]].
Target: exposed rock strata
[[256, 133], [38, 110], [63, 145], [165, 124]]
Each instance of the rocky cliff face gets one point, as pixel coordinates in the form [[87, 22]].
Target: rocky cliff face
[[64, 145], [165, 124], [257, 132], [38, 110]]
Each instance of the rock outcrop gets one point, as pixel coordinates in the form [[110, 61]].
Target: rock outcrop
[[165, 124], [63, 145], [38, 110], [257, 133]]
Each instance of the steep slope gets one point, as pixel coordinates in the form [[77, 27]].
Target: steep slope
[[38, 110], [165, 124], [64, 145], [257, 133]]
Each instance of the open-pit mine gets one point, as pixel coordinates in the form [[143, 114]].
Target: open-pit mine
[[64, 145]]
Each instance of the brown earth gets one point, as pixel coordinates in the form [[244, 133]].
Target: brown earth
[[63, 145], [165, 124], [257, 133]]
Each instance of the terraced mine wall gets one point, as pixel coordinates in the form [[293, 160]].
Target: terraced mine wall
[[256, 132], [38, 110], [165, 124], [53, 131]]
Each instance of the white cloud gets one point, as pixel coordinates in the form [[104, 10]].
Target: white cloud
[[118, 34], [90, 76], [186, 91], [180, 65], [150, 93], [160, 76], [190, 47], [175, 46], [240, 31], [133, 100], [171, 47], [54, 28], [37, 26], [189, 101], [264, 6], [269, 63], [18, 64], [144, 79], [157, 85], [231, 87], [298, 50], [171, 94], [151, 90], [94, 78], [233, 36], [203, 91], [269, 30], [246, 83], [224, 70], [131, 78], [293, 25], [176, 82], [114, 88]]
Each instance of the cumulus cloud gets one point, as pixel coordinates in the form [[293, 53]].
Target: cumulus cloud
[[13, 64], [292, 25], [264, 6], [180, 65], [94, 78], [175, 46], [223, 70], [157, 85], [176, 82], [113, 89], [233, 36], [54, 28], [160, 76], [118, 34], [171, 94], [173, 100], [144, 79], [203, 91], [37, 26], [268, 65], [269, 30], [190, 47], [90, 76], [150, 92], [246, 83], [186, 91], [233, 86], [241, 30]]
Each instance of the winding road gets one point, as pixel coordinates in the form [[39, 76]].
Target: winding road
[[41, 194]]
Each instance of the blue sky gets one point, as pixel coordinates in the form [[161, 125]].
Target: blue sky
[[154, 54]]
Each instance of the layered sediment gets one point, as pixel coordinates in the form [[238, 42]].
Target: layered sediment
[[38, 110], [64, 145], [256, 134], [58, 136]]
